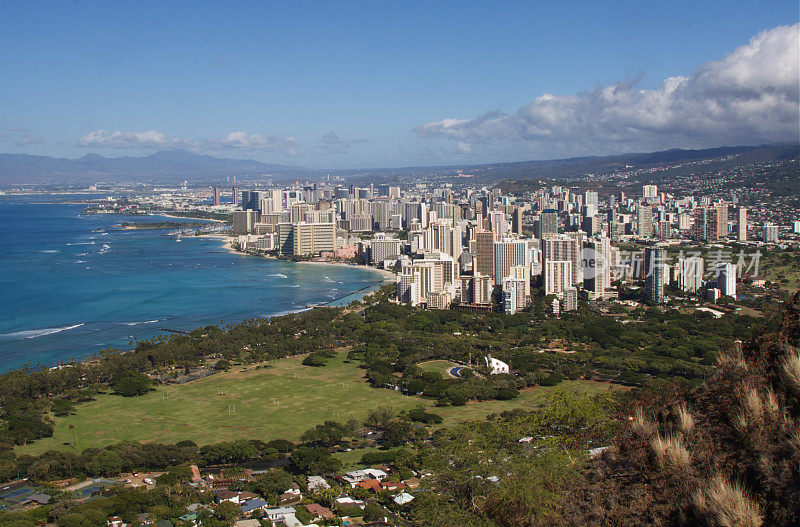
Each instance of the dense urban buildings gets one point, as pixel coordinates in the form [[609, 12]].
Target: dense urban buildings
[[480, 248]]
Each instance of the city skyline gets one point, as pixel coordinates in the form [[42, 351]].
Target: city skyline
[[360, 86]]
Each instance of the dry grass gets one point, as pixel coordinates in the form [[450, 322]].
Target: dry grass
[[727, 504], [732, 358], [772, 409], [794, 441], [670, 452], [640, 424], [791, 370], [753, 406], [685, 419], [757, 410]]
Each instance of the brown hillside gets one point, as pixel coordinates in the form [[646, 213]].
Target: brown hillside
[[727, 453]]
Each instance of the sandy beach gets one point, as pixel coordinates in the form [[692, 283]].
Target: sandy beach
[[224, 238], [387, 276], [183, 217]]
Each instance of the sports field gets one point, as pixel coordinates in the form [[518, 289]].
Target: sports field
[[282, 401]]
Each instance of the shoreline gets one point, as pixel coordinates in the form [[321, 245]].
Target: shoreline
[[387, 276], [174, 217]]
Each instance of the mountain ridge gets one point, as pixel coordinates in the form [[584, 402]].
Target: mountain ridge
[[177, 165]]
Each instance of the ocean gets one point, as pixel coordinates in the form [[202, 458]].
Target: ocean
[[71, 285]]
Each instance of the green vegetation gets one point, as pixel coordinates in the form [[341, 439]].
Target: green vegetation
[[278, 402], [484, 474], [781, 267], [130, 383], [389, 342], [438, 366]]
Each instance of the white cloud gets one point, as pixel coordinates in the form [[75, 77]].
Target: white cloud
[[153, 139], [255, 142], [21, 137], [117, 139], [749, 97], [331, 143], [26, 140]]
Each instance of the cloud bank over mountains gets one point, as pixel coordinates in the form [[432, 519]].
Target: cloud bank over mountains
[[748, 97], [157, 140]]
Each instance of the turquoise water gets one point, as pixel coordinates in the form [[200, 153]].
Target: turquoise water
[[68, 290]]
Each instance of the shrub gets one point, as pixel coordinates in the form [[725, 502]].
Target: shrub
[[670, 452], [726, 504], [223, 365], [315, 359], [685, 419], [421, 416], [131, 383]]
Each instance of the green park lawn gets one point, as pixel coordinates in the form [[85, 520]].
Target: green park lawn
[[279, 402], [440, 366]]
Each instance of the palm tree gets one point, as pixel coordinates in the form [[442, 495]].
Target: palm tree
[[74, 442]]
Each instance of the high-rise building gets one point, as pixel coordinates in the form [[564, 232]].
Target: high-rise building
[[384, 248], [564, 247], [313, 238], [726, 279], [702, 217], [299, 210], [649, 191], [596, 263], [407, 286], [548, 223], [770, 233], [557, 276], [426, 277], [570, 302], [741, 226], [244, 221], [654, 274], [690, 273], [476, 289], [509, 253], [513, 295], [439, 238], [684, 222], [644, 220], [484, 247], [286, 238], [720, 220], [235, 196], [516, 221], [217, 196]]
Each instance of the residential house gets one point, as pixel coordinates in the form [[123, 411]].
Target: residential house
[[354, 476], [403, 498], [347, 501], [279, 514], [319, 512], [317, 483], [254, 504]]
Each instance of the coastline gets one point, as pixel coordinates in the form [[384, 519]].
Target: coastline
[[174, 217], [387, 276]]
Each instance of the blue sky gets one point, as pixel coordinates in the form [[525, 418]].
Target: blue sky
[[385, 83]]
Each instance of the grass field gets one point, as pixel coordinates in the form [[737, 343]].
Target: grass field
[[786, 275], [439, 366], [278, 402]]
